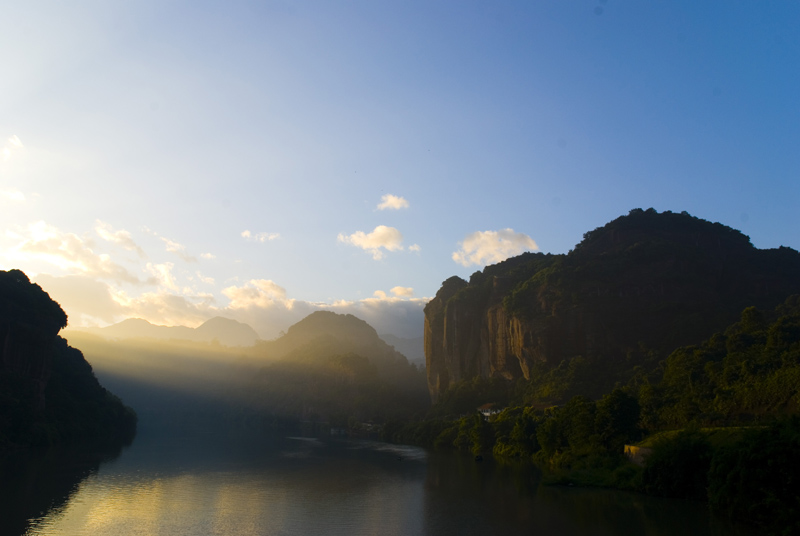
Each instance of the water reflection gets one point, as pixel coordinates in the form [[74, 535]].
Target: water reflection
[[35, 483], [465, 497], [278, 485]]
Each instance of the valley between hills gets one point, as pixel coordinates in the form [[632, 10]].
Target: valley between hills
[[657, 329]]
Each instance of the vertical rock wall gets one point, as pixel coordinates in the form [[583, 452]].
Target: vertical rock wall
[[29, 324]]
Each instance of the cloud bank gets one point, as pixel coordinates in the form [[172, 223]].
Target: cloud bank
[[256, 293], [12, 145], [44, 244], [95, 290], [121, 237], [13, 195]]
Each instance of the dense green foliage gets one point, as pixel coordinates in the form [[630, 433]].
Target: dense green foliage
[[757, 479], [678, 466], [744, 376], [749, 373], [465, 396], [579, 426]]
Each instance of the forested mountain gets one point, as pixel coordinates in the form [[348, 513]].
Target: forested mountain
[[48, 392], [630, 293]]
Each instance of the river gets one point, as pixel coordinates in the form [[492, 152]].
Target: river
[[279, 485]]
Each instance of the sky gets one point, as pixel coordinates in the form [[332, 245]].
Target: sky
[[176, 161]]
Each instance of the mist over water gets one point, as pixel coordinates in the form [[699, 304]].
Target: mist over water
[[261, 484]]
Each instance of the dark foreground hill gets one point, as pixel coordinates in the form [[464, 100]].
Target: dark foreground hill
[[48, 392], [630, 293]]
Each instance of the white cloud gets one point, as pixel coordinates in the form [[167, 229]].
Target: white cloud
[[204, 279], [166, 308], [488, 247], [163, 274], [259, 237], [89, 302], [415, 248], [392, 202], [69, 252], [208, 256], [178, 249], [12, 145], [86, 300], [256, 293], [382, 236], [402, 292], [13, 195], [399, 316], [121, 237]]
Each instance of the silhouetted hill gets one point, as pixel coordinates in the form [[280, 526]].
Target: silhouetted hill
[[412, 348], [48, 392], [327, 323], [323, 335], [341, 334], [626, 296], [222, 330], [333, 366], [227, 332], [138, 328]]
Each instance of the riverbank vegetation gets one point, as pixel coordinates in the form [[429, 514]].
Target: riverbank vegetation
[[721, 417]]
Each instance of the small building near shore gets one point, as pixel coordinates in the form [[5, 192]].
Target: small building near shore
[[487, 410]]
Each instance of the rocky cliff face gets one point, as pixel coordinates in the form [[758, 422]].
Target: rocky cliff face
[[29, 324], [48, 392], [644, 283]]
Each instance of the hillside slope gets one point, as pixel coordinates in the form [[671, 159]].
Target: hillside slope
[[627, 295], [48, 392]]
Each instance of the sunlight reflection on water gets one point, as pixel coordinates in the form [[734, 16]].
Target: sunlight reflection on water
[[302, 486], [292, 490]]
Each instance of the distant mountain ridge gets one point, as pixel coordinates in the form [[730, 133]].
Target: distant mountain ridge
[[412, 348], [327, 366], [224, 330]]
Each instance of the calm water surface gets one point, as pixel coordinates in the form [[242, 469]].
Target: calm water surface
[[301, 486]]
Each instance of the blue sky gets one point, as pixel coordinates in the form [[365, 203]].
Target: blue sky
[[179, 160]]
